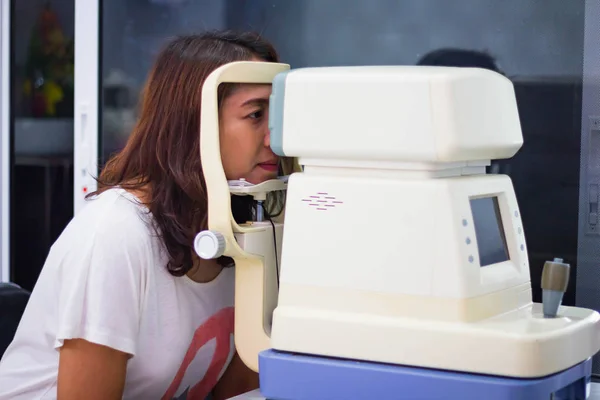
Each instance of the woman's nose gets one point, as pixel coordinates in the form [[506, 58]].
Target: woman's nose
[[267, 138]]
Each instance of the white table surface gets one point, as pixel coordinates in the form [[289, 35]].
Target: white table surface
[[255, 395]]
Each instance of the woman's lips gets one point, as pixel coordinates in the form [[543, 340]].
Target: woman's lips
[[271, 167]]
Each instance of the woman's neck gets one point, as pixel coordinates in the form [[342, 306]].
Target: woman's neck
[[204, 271]]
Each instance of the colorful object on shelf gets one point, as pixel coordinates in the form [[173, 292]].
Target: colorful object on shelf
[[50, 68]]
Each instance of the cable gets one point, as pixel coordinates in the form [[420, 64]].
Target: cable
[[268, 216]]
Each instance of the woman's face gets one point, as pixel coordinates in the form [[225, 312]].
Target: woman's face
[[244, 134]]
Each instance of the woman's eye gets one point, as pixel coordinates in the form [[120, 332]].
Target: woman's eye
[[256, 115]]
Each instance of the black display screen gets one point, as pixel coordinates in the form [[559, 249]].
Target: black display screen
[[489, 231]]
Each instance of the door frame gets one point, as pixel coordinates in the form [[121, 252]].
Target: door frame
[[5, 134], [87, 99]]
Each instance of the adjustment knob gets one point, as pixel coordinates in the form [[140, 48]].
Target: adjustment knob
[[555, 279], [209, 245]]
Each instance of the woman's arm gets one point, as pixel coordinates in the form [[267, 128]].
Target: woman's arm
[[101, 282], [236, 380], [90, 371]]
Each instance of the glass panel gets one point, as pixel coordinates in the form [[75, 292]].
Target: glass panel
[[588, 273], [5, 151], [132, 32], [41, 129]]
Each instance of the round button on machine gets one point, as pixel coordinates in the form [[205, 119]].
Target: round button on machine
[[209, 245]]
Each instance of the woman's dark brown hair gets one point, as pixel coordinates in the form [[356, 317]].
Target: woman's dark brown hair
[[161, 155]]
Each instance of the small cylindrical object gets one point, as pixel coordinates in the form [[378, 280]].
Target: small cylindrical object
[[260, 216], [555, 279]]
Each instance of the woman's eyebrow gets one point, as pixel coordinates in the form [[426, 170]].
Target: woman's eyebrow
[[256, 101]]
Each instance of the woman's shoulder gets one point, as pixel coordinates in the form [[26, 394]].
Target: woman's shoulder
[[111, 236], [114, 208], [113, 216]]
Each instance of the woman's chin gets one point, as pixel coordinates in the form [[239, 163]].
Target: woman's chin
[[262, 177]]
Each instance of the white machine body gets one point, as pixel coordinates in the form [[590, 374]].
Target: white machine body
[[394, 114], [397, 247]]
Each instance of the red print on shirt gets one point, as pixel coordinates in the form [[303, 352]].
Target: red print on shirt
[[219, 327]]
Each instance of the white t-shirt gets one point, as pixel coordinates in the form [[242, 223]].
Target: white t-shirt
[[105, 281]]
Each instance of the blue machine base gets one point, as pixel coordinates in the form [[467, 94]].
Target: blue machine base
[[288, 376]]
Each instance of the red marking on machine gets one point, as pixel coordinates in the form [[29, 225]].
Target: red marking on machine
[[322, 201]]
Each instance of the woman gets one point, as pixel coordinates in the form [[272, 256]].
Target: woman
[[122, 307]]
